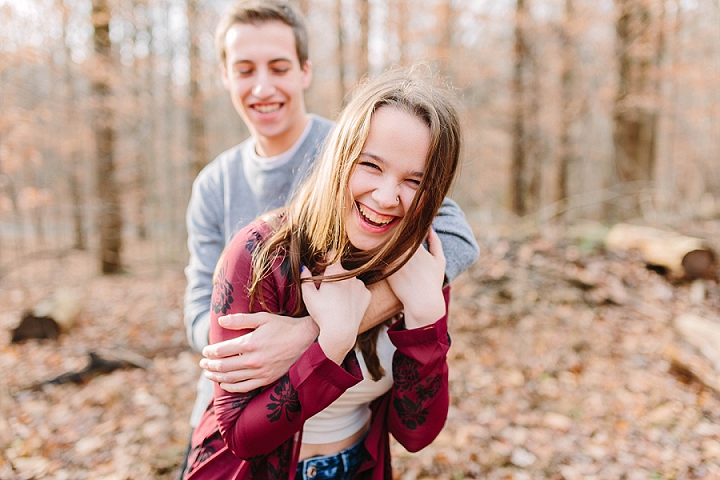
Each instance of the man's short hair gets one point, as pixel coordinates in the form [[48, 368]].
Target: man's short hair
[[260, 11]]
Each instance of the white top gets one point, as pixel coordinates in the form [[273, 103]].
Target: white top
[[351, 411]]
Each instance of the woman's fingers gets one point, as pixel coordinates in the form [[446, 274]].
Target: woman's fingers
[[434, 243]]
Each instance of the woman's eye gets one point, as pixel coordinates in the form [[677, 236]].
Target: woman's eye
[[370, 165], [413, 182]]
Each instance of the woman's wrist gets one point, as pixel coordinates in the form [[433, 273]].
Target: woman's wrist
[[336, 345], [429, 314]]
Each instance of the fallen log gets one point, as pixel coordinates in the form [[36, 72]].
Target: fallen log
[[50, 317], [701, 333], [696, 355], [692, 368], [680, 255]]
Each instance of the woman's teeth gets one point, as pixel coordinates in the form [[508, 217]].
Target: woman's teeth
[[373, 218]]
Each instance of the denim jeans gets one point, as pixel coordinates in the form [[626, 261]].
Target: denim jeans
[[340, 466]]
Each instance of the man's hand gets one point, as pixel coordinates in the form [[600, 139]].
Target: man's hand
[[418, 284], [261, 356]]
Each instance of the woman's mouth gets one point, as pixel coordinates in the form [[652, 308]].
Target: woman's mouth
[[373, 218]]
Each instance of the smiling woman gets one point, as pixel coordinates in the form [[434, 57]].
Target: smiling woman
[[360, 218], [386, 177]]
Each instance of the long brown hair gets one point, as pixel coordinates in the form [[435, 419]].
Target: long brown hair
[[314, 221]]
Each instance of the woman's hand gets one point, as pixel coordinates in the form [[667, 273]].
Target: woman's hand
[[337, 308], [418, 284]]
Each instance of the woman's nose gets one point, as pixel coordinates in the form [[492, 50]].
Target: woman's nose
[[387, 195]]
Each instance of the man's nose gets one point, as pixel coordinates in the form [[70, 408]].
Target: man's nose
[[264, 87]]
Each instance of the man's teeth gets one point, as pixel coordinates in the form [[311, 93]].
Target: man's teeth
[[373, 218], [267, 108]]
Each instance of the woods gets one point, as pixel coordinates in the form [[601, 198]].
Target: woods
[[585, 339], [571, 109]]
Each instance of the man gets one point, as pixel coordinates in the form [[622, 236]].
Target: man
[[263, 49]]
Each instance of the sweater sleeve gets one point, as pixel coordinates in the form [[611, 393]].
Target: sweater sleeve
[[419, 398], [458, 241], [256, 423], [204, 222]]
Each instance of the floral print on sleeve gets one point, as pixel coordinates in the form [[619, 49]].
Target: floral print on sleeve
[[420, 397], [284, 400], [222, 296]]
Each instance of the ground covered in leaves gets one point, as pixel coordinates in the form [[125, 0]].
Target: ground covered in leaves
[[559, 370]]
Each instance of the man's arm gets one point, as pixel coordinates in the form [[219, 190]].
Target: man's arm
[[258, 359], [384, 305], [459, 247], [457, 238], [204, 221], [258, 422]]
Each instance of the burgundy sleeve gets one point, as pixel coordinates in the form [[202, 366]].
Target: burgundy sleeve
[[257, 422], [419, 398]]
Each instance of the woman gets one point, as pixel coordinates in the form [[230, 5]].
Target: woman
[[360, 218]]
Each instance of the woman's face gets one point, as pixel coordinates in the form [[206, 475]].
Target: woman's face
[[386, 176]]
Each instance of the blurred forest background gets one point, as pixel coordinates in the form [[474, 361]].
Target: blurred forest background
[[572, 109], [570, 360]]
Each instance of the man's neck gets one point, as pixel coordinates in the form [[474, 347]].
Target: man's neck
[[273, 146]]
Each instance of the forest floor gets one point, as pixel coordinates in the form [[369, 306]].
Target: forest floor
[[559, 369]]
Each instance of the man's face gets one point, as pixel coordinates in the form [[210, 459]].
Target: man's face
[[263, 75]]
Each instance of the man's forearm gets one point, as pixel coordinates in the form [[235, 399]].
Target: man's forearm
[[196, 312], [459, 244], [384, 304]]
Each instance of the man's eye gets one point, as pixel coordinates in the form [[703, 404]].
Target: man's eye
[[281, 71]]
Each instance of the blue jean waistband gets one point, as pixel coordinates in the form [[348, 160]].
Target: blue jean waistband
[[341, 465]]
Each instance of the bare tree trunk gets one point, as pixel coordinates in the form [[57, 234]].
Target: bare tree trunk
[[110, 217], [666, 182], [714, 113], [445, 29], [197, 145], [2, 187], [168, 174], [535, 151], [363, 67], [569, 112], [401, 25], [635, 113], [8, 185], [340, 52], [518, 167], [143, 134], [74, 183]]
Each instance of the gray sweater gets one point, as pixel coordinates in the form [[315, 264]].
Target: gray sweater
[[236, 188]]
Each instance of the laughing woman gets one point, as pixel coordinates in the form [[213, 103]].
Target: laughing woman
[[360, 218]]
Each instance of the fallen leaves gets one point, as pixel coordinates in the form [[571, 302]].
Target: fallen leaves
[[559, 369], [558, 361]]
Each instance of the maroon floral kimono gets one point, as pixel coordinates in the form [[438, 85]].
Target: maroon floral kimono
[[257, 435]]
